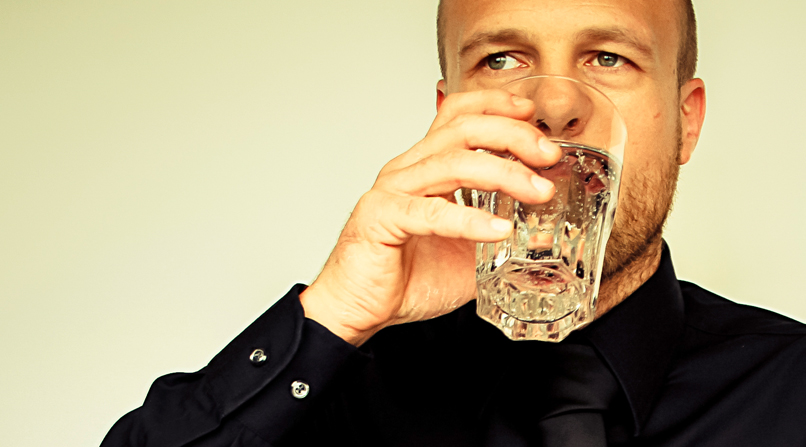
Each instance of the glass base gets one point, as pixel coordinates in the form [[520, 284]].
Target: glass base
[[516, 329]]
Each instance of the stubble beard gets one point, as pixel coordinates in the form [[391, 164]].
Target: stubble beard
[[641, 216]]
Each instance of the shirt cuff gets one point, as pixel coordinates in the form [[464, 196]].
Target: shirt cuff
[[271, 373]]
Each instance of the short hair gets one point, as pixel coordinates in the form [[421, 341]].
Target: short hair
[[686, 56]]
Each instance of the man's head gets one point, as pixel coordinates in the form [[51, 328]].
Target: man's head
[[642, 55]]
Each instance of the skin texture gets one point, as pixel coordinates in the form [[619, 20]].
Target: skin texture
[[407, 253]]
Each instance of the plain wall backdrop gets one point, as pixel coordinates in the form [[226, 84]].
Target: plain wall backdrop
[[169, 169]]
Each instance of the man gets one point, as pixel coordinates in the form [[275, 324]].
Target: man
[[665, 363]]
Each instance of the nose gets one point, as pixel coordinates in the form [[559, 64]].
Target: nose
[[562, 110]]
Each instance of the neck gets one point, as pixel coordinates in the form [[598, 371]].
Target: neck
[[621, 284]]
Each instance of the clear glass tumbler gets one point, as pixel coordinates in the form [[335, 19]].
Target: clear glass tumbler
[[541, 283]]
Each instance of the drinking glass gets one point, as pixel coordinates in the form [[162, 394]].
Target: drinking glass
[[541, 283]]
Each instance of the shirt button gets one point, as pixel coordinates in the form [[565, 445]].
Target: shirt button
[[300, 389], [258, 357]]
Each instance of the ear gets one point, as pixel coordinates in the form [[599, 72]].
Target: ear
[[692, 114], [441, 93]]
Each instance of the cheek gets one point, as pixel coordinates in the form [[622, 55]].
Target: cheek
[[652, 144], [652, 136]]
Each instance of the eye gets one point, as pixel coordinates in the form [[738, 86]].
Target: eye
[[609, 60], [500, 61]]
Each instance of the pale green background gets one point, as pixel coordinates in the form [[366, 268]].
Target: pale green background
[[169, 169]]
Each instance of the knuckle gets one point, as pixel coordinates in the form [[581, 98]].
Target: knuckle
[[452, 158], [426, 167], [497, 101], [392, 165], [382, 182], [453, 165], [499, 94], [466, 221], [434, 210], [511, 168], [461, 122], [523, 129], [369, 201], [451, 101], [506, 171]]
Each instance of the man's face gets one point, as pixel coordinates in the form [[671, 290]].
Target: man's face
[[626, 49]]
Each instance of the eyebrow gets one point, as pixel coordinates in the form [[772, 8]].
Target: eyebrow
[[486, 38], [615, 35]]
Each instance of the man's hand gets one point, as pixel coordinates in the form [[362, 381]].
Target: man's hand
[[407, 253]]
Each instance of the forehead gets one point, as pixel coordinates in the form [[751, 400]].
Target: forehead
[[655, 23]]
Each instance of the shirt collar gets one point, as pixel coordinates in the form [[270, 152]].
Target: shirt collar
[[638, 337]]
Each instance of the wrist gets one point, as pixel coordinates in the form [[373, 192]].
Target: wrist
[[319, 305]]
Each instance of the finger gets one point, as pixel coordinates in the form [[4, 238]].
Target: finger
[[446, 172], [498, 134], [483, 102], [405, 216], [494, 133]]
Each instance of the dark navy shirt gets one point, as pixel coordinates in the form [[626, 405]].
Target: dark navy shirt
[[694, 369]]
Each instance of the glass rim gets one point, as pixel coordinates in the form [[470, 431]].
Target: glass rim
[[551, 76], [622, 144]]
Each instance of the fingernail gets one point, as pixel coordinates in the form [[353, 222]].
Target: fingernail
[[501, 225], [548, 146], [519, 102], [541, 184]]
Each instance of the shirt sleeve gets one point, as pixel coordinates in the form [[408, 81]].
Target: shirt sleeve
[[251, 393]]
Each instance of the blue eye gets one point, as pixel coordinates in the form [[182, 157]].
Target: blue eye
[[609, 60], [500, 61]]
